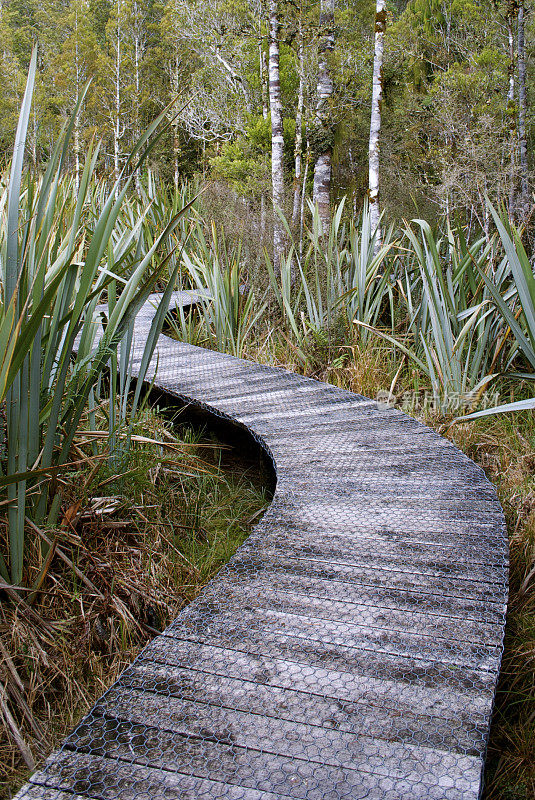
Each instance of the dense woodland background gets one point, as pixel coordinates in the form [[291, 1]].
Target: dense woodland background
[[456, 121]]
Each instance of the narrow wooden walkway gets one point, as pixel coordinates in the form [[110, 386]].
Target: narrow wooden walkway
[[351, 647]]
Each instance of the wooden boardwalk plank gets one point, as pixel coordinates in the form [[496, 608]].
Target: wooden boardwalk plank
[[259, 559], [418, 559], [367, 596], [245, 730], [351, 647], [260, 626], [259, 595], [399, 720], [435, 693]]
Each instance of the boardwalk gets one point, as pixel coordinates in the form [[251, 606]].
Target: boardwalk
[[351, 647]]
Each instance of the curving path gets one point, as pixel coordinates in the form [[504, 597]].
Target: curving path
[[351, 647]]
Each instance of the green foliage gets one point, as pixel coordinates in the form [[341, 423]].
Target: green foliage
[[321, 138], [449, 326], [63, 249], [469, 321], [448, 132], [230, 308], [447, 128], [245, 161], [339, 275]]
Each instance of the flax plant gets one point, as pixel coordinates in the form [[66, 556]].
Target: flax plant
[[512, 289], [338, 274], [62, 251], [367, 279], [229, 305], [461, 310], [448, 342]]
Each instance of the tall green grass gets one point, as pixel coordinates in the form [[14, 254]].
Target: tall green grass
[[461, 311], [229, 306], [338, 275], [473, 323], [63, 252]]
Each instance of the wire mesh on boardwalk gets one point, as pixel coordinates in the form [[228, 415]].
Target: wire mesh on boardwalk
[[351, 647]]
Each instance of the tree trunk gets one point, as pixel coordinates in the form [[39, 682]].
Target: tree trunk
[[324, 133], [176, 154], [302, 207], [277, 139], [262, 219], [375, 123], [522, 110], [77, 120], [512, 114], [137, 60], [511, 65], [117, 121], [175, 83], [77, 152], [299, 128], [263, 71]]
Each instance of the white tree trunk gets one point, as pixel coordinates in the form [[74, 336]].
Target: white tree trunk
[[77, 120], [299, 128], [302, 207], [77, 152], [277, 139], [323, 124], [511, 65], [176, 155], [510, 106], [117, 121], [263, 71], [375, 122], [137, 131], [175, 84], [262, 218], [522, 110]]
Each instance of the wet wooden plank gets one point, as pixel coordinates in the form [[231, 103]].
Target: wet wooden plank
[[102, 778], [416, 546], [464, 539], [256, 624], [475, 492], [139, 750], [292, 600], [367, 597], [415, 557], [326, 745], [426, 689], [249, 560], [106, 778], [400, 721], [34, 791], [439, 670]]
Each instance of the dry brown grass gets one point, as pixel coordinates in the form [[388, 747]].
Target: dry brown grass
[[144, 544], [504, 446], [332, 358]]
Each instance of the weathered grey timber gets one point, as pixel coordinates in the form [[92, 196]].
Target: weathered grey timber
[[351, 647]]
